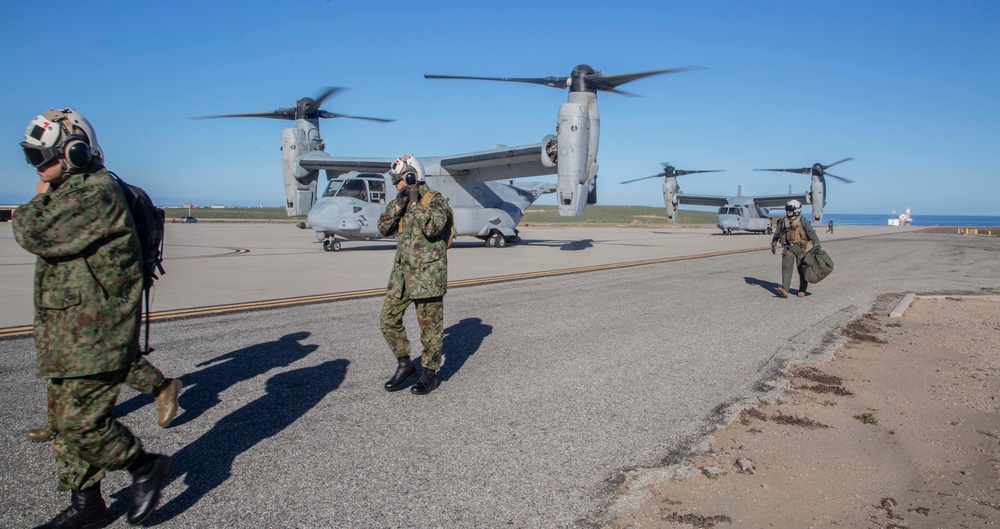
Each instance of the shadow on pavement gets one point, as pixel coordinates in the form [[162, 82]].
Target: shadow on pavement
[[202, 388], [461, 341], [766, 285], [207, 462]]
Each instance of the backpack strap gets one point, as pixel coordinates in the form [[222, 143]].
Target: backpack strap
[[428, 196]]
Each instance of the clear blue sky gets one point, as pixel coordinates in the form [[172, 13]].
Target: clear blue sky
[[910, 89]]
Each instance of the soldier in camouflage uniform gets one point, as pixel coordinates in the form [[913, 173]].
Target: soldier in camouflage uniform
[[143, 376], [795, 234], [419, 219], [88, 285]]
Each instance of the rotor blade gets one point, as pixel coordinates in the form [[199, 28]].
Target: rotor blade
[[330, 90], [825, 167], [325, 114], [804, 170], [841, 178], [610, 82], [281, 113], [554, 82], [681, 172], [643, 178]]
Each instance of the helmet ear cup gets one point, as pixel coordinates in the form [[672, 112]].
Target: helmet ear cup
[[78, 153], [410, 177]]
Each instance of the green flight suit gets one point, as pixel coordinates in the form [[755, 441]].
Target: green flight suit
[[419, 274], [795, 236]]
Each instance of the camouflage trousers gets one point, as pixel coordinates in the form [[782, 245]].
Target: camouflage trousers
[[430, 317], [791, 260], [87, 440], [144, 377]]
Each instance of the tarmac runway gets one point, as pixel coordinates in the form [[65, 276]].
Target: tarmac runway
[[554, 388]]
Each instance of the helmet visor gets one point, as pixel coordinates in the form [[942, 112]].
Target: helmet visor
[[39, 156]]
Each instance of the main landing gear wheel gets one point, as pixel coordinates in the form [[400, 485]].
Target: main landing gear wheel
[[497, 240], [331, 246], [769, 230]]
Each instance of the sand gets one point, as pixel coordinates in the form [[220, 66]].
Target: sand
[[900, 429]]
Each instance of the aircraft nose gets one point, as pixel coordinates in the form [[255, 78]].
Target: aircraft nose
[[727, 221], [322, 216]]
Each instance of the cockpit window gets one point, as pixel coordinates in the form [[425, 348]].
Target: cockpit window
[[333, 187], [377, 188], [354, 188]]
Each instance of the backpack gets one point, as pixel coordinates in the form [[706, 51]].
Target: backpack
[[449, 226], [149, 222]]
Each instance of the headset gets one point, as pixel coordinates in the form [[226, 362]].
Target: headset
[[76, 151], [410, 177]]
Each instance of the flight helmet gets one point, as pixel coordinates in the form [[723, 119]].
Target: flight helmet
[[64, 135], [793, 208], [407, 168]]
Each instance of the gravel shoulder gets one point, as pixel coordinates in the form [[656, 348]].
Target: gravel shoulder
[[900, 429]]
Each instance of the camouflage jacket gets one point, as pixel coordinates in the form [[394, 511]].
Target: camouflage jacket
[[421, 267], [88, 280]]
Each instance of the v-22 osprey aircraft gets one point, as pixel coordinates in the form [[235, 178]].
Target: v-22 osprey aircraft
[[484, 207], [747, 213]]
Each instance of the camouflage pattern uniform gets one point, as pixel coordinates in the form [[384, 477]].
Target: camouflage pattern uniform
[[419, 274], [88, 286], [795, 236]]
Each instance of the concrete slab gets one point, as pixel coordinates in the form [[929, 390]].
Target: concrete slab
[[219, 263]]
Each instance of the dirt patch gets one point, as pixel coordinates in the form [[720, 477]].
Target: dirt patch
[[901, 429]]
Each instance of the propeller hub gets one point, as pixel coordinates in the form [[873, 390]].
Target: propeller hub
[[578, 79]]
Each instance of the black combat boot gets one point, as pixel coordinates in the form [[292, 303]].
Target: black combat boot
[[428, 381], [86, 510], [404, 372], [149, 473]]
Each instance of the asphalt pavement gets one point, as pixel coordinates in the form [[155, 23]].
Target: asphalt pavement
[[554, 389]]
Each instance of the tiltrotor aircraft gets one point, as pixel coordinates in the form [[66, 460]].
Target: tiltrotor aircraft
[[817, 190], [484, 207], [748, 213]]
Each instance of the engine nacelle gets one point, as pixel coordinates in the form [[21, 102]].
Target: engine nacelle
[[670, 198], [574, 144], [300, 184], [817, 196]]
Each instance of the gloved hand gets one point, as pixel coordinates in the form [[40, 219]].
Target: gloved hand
[[414, 193], [774, 250], [403, 198]]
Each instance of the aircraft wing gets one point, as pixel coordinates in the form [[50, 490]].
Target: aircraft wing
[[777, 201], [701, 200], [320, 160], [493, 158], [502, 163]]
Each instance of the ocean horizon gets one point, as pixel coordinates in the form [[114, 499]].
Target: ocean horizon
[[866, 219]]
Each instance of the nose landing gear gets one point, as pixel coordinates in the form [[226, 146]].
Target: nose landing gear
[[331, 245]]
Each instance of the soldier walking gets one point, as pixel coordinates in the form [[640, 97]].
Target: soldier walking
[[419, 219], [795, 234], [143, 376], [88, 287], [829, 227]]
